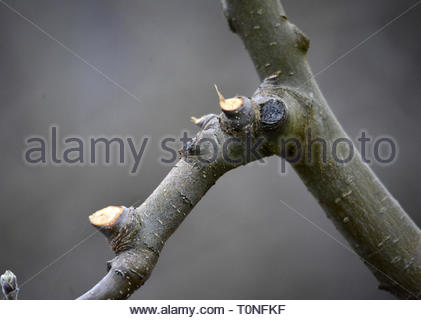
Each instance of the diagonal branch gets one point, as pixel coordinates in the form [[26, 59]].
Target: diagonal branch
[[288, 105], [137, 236]]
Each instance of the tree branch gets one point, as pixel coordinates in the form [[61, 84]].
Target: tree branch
[[287, 105], [362, 209], [137, 236]]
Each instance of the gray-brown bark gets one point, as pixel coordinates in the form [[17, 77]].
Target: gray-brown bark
[[286, 105], [220, 146], [362, 209]]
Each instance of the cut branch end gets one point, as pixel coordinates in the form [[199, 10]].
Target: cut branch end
[[195, 120], [106, 217], [229, 105]]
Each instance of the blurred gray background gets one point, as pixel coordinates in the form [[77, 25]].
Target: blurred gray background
[[240, 242]]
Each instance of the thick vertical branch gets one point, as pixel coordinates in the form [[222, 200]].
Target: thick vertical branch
[[274, 44], [362, 209]]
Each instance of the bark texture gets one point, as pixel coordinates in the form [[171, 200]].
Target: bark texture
[[365, 213], [287, 106], [138, 235]]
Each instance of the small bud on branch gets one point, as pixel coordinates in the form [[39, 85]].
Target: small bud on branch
[[9, 285]]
